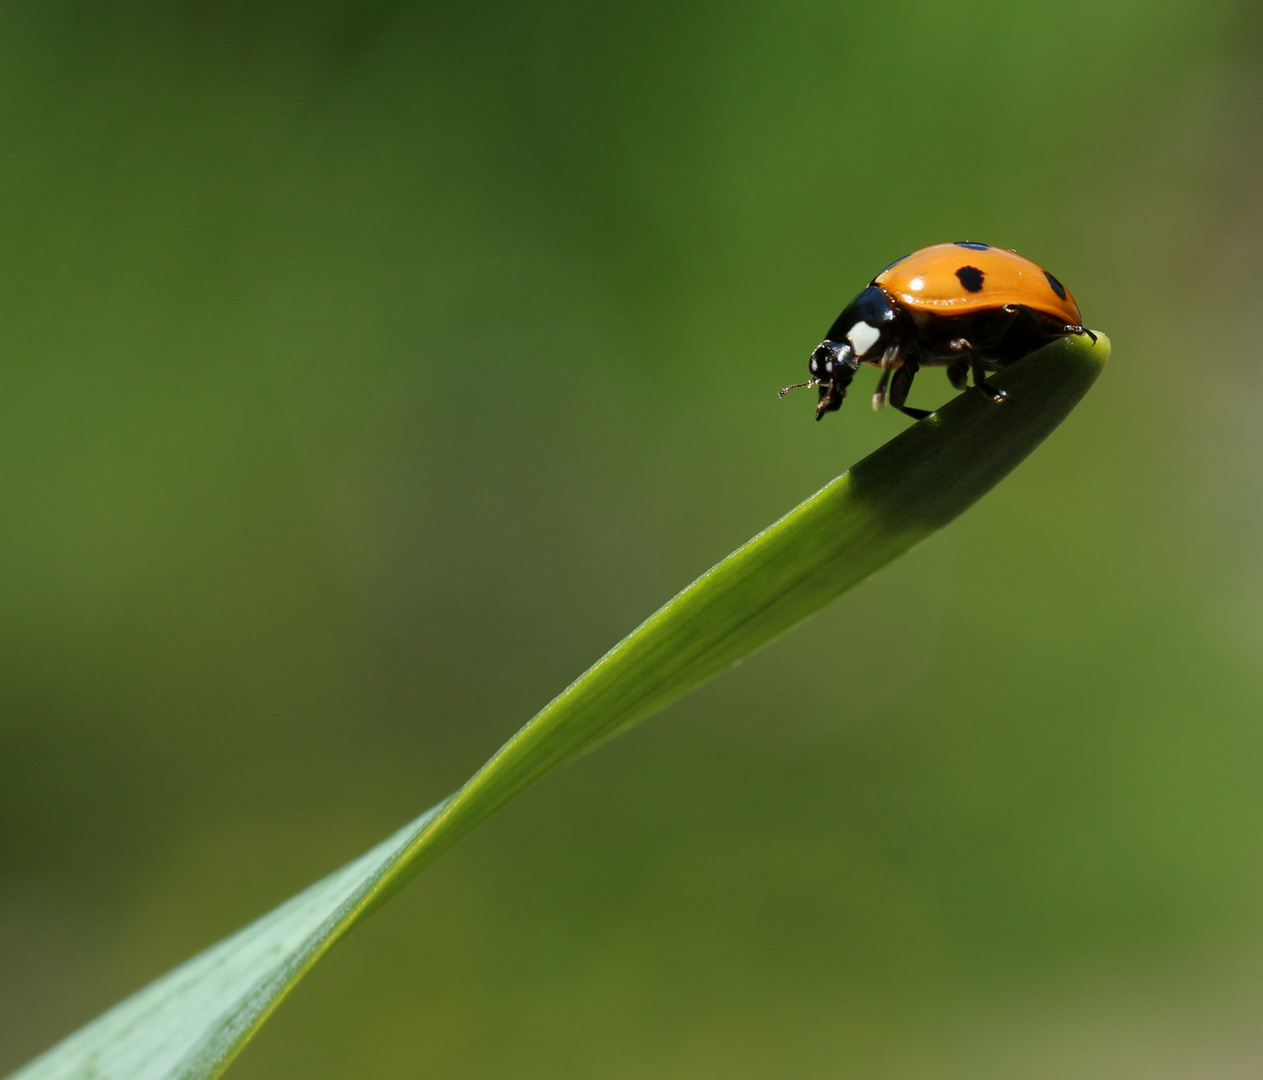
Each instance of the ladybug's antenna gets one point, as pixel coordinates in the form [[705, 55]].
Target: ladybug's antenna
[[799, 386]]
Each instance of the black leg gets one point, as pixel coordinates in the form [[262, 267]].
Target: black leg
[[980, 380], [888, 360], [958, 374], [879, 394], [899, 387], [1081, 331]]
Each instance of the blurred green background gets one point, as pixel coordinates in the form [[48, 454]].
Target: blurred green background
[[367, 369]]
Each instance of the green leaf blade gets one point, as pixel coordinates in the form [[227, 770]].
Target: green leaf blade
[[189, 1024], [193, 1020], [882, 507]]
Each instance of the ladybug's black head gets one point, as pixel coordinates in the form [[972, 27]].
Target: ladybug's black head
[[863, 332], [833, 364]]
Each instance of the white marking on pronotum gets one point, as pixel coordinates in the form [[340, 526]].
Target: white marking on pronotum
[[862, 337]]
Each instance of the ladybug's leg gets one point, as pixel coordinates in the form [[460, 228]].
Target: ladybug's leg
[[879, 395], [970, 355], [980, 380], [899, 387], [1080, 331], [888, 360], [958, 374]]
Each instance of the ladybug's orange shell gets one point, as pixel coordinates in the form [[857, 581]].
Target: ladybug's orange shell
[[931, 280]]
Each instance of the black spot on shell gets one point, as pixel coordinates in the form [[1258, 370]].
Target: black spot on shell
[[1057, 286], [972, 245], [971, 277]]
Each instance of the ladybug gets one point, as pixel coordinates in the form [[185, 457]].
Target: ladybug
[[971, 308]]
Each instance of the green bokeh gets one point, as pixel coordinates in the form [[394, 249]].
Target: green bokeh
[[368, 369]]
